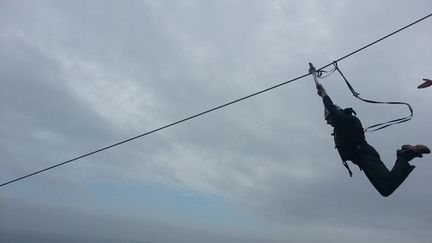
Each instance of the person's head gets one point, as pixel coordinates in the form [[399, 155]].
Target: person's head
[[328, 116]]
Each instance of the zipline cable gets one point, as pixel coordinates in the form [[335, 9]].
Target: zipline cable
[[210, 110], [155, 130], [379, 40]]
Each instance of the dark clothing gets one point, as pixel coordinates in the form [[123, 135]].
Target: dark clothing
[[385, 181], [352, 146], [348, 131]]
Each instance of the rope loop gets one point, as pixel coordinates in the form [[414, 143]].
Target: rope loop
[[382, 125]]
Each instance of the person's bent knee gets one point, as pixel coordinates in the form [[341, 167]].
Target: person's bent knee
[[386, 193]]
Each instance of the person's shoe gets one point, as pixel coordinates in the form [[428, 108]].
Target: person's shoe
[[416, 151]]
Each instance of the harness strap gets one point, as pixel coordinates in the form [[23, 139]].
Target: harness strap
[[347, 167], [382, 125]]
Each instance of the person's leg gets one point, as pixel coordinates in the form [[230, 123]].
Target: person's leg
[[385, 181]]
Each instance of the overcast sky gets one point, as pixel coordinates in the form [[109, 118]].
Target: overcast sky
[[76, 76]]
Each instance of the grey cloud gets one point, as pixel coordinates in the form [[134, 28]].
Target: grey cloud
[[79, 75], [37, 109]]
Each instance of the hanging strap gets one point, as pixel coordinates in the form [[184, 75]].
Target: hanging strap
[[382, 125], [347, 167]]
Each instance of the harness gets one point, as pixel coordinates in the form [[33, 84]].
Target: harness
[[319, 74], [381, 125]]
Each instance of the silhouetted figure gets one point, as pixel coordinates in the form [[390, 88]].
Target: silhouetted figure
[[351, 144]]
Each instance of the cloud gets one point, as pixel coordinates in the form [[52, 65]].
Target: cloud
[[77, 76]]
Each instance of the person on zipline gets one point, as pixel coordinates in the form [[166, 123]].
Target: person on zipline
[[351, 144]]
